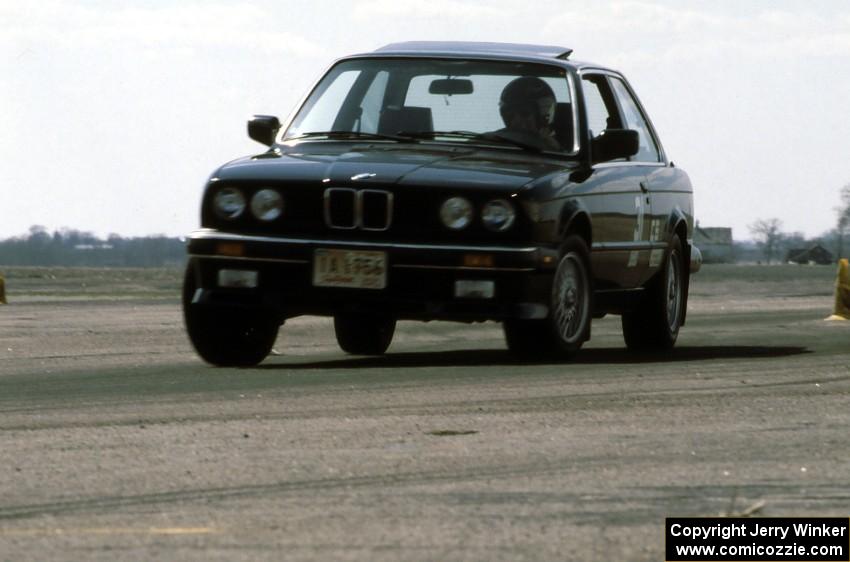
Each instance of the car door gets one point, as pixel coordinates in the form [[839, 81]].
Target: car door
[[657, 184], [615, 196]]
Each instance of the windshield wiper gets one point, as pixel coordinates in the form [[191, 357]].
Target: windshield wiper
[[413, 136], [352, 135], [491, 137]]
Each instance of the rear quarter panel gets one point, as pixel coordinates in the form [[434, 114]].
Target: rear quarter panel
[[672, 203]]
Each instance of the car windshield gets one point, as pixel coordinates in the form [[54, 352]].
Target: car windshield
[[511, 105]]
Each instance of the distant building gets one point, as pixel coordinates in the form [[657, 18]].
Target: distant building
[[715, 243], [815, 254]]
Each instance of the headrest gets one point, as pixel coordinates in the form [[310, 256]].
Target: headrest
[[563, 124], [405, 118]]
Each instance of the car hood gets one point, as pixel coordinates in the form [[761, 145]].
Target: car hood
[[462, 168]]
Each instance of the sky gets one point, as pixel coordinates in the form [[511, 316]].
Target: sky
[[113, 114]]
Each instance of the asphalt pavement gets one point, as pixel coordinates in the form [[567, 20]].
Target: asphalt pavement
[[118, 443]]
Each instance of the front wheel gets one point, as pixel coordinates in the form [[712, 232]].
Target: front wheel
[[529, 339], [571, 304], [654, 324], [226, 338], [364, 334]]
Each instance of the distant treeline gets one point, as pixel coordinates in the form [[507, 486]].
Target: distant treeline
[[68, 247]]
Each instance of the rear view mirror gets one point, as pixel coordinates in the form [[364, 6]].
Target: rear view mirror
[[451, 87], [615, 143], [263, 128]]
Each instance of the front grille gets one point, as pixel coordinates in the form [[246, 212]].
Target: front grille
[[341, 208], [364, 209], [376, 209]]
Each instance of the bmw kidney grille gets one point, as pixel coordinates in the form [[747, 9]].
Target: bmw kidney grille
[[363, 209]]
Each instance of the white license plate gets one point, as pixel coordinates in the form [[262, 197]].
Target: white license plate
[[349, 268]]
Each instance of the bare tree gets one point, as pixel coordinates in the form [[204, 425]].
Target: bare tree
[[789, 241], [768, 235]]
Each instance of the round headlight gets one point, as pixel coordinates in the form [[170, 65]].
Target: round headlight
[[498, 215], [267, 205], [229, 203], [456, 213]]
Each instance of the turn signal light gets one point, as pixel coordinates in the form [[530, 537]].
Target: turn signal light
[[478, 260], [234, 249]]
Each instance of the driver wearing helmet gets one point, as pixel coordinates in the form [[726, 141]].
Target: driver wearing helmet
[[527, 106]]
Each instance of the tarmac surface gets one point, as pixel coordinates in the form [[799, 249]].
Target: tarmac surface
[[118, 443]]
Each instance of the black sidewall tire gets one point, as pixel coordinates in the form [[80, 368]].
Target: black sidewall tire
[[529, 340], [649, 326], [360, 334], [575, 255], [676, 256], [226, 338]]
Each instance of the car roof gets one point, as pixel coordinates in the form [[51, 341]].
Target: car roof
[[482, 50], [476, 47]]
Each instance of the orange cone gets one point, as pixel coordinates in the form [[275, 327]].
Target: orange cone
[[842, 292]]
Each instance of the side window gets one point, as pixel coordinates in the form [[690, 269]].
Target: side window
[[601, 111], [648, 150]]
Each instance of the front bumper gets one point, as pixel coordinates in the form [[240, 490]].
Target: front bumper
[[420, 278]]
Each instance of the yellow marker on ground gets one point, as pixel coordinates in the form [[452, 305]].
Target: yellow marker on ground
[[2, 290], [842, 292]]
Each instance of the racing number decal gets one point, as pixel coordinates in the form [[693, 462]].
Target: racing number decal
[[639, 225], [639, 207], [655, 230]]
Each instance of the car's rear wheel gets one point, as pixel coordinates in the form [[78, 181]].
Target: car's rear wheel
[[360, 334], [224, 337], [568, 325], [654, 324]]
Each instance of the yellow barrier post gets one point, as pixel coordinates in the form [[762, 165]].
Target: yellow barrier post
[[841, 310]]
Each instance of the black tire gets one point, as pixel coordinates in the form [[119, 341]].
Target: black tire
[[654, 324], [571, 303], [570, 307], [529, 339], [223, 337], [361, 334]]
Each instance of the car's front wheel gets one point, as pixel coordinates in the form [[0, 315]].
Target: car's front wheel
[[571, 297], [223, 337], [570, 307], [654, 324], [360, 334], [529, 339]]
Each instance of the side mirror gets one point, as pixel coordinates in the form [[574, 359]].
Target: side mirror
[[615, 143], [263, 128]]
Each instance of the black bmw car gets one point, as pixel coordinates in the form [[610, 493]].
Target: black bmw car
[[447, 181]]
